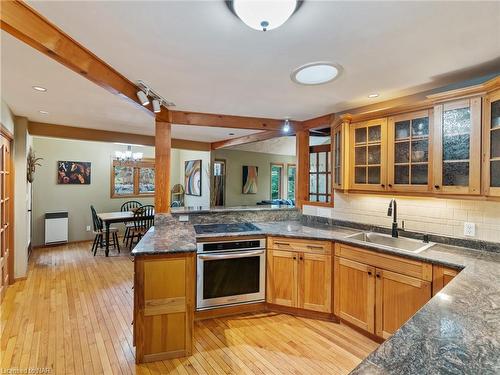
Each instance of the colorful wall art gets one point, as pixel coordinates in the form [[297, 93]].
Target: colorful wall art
[[250, 174], [192, 177], [73, 172]]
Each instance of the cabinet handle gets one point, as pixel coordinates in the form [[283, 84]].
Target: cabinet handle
[[282, 243], [314, 247]]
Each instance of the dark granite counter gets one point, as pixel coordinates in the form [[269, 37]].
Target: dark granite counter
[[218, 209], [456, 332]]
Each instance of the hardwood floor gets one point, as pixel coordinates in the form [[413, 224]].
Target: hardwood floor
[[73, 315]]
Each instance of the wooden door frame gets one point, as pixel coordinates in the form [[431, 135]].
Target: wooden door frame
[[10, 266], [223, 161]]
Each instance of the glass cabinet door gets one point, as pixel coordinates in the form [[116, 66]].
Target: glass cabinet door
[[458, 146], [409, 162], [491, 141], [338, 149], [368, 155]]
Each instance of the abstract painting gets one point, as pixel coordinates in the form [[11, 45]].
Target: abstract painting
[[192, 177], [250, 174], [73, 172]]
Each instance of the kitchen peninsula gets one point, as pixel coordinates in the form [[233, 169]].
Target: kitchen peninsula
[[459, 323]]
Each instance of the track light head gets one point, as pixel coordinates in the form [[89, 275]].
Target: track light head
[[156, 106], [143, 97], [286, 126]]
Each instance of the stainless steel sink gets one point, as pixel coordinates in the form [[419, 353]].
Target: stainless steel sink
[[400, 243]]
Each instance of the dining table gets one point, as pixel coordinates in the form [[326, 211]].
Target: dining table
[[109, 218]]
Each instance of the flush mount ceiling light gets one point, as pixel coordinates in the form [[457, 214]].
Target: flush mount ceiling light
[[286, 126], [39, 88], [264, 15], [374, 95], [316, 73], [43, 112]]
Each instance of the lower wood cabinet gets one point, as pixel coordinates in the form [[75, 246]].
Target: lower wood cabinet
[[441, 277], [300, 278], [377, 300], [397, 298]]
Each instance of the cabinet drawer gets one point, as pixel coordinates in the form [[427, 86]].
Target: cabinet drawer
[[307, 246], [401, 265]]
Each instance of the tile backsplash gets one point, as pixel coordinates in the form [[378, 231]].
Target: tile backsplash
[[444, 217]]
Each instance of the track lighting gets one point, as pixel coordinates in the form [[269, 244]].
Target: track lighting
[[143, 97], [286, 126], [145, 92], [156, 106]]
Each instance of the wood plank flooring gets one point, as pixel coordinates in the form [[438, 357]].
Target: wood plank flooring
[[73, 315]]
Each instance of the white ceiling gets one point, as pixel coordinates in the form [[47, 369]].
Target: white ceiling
[[279, 146], [199, 55], [75, 101]]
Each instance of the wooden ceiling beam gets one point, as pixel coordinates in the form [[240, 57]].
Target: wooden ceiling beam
[[318, 122], [27, 25], [230, 121], [261, 136], [84, 134]]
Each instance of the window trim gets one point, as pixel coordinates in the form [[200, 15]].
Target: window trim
[[329, 182], [144, 163], [288, 166], [282, 167]]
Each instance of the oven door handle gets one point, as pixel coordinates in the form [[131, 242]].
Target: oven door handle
[[232, 255]]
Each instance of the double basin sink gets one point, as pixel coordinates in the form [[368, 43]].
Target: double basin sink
[[399, 243]]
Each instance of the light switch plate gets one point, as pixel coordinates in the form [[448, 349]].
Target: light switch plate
[[184, 218], [469, 229], [88, 228]]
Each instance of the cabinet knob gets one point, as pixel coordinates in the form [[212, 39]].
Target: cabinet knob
[[294, 258], [378, 275], [382, 185], [301, 258], [390, 185], [436, 186], [369, 273]]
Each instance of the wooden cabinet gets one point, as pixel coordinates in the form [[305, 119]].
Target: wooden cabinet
[[441, 277], [378, 292], [491, 144], [282, 277], [457, 147], [164, 288], [299, 274], [409, 152], [340, 154], [397, 298], [354, 293], [368, 155]]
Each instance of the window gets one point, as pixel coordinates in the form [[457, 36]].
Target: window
[[276, 180], [132, 179], [290, 173], [319, 174]]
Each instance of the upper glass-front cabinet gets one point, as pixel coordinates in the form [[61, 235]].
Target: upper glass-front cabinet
[[491, 141], [368, 155], [409, 151], [457, 147]]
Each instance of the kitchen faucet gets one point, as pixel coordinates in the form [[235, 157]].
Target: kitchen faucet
[[393, 210]]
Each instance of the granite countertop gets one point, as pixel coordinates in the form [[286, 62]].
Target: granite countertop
[[456, 332], [204, 210]]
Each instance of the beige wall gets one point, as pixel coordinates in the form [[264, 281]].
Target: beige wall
[[429, 215], [204, 156], [235, 160], [6, 117]]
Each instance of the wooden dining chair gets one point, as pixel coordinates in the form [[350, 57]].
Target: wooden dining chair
[[129, 206], [143, 220], [99, 239]]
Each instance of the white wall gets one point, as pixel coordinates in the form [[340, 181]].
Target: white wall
[[204, 156], [430, 215], [22, 197], [6, 117]]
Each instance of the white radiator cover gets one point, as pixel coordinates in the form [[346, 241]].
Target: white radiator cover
[[56, 227]]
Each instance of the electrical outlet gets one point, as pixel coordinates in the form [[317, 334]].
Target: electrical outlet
[[184, 218], [469, 229], [88, 228]]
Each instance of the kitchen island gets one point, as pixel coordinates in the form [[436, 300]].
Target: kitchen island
[[456, 331]]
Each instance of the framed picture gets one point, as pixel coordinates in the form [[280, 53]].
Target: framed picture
[[192, 177], [73, 172], [250, 175]]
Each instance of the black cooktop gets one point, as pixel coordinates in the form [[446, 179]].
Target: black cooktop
[[225, 228]]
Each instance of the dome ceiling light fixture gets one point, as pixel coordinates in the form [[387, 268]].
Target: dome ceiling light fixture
[[316, 73], [263, 15]]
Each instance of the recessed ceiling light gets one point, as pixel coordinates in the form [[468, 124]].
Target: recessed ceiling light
[[264, 15], [44, 112], [39, 88], [374, 95], [316, 73]]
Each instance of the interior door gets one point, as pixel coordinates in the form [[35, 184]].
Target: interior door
[[315, 282], [354, 293], [398, 297], [6, 222], [282, 277]]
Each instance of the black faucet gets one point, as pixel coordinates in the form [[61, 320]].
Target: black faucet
[[393, 210]]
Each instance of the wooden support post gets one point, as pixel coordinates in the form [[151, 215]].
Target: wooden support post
[[302, 177], [163, 146]]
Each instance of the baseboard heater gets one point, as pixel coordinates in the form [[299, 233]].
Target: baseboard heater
[[56, 227]]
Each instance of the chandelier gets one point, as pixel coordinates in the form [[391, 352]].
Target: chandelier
[[128, 156]]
